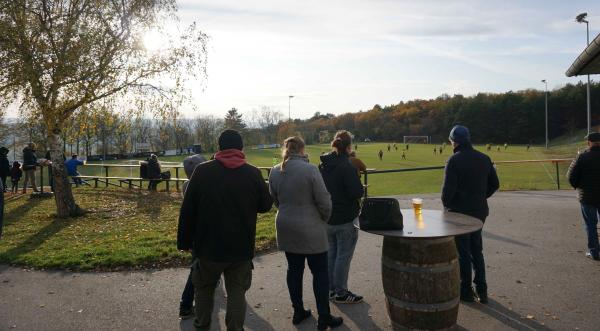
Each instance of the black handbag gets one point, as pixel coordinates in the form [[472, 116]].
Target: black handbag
[[165, 175], [380, 214]]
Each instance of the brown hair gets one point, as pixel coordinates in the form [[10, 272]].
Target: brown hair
[[292, 145], [341, 141]]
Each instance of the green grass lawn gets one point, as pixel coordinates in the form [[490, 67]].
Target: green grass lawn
[[512, 177], [121, 229], [129, 229]]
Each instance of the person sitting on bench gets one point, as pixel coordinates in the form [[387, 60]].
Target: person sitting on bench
[[71, 166], [153, 172]]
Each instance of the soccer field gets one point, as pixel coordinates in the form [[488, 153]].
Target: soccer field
[[530, 176]]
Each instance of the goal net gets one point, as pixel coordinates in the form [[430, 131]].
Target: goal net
[[416, 139]]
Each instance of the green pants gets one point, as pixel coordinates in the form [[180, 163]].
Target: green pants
[[205, 276]]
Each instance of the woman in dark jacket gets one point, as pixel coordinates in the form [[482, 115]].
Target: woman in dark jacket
[[343, 183]]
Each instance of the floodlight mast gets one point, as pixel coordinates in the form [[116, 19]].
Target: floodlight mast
[[581, 18], [546, 94]]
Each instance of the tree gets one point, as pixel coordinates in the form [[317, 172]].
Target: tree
[[207, 129], [60, 55], [233, 120]]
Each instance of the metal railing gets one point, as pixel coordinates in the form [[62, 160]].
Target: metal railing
[[106, 170], [388, 171]]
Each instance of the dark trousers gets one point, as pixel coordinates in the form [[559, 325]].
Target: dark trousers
[[187, 297], [470, 257], [590, 216], [1, 208], [318, 267], [3, 179], [206, 275], [152, 184]]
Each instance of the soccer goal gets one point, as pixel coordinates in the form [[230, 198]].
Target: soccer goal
[[416, 139]]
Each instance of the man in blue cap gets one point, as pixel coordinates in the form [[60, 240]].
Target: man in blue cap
[[584, 175], [469, 180]]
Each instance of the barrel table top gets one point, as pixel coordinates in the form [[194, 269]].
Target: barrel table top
[[432, 224]]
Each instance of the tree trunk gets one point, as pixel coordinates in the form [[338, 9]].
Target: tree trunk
[[65, 202]]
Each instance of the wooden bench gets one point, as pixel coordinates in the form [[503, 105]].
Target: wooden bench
[[130, 181]]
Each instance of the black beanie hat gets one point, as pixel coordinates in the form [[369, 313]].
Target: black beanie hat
[[593, 137], [230, 139], [460, 134]]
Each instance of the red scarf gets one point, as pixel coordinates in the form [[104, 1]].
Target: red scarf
[[231, 158]]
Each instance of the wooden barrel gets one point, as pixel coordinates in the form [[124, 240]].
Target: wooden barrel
[[421, 283]]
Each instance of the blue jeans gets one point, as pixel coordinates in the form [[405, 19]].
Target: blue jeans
[[342, 241], [590, 216], [318, 266]]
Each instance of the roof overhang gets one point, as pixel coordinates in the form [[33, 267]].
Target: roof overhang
[[588, 62]]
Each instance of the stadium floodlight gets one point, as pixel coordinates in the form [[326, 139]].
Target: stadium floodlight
[[546, 94], [582, 18]]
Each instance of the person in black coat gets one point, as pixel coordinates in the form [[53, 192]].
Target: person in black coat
[[218, 221], [1, 208], [584, 175], [4, 167], [469, 180], [343, 183], [30, 164], [153, 172]]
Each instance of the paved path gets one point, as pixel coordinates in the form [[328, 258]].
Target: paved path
[[538, 276]]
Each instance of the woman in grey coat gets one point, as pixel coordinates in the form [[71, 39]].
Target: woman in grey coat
[[304, 207]]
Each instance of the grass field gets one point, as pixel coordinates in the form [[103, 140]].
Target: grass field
[[512, 177], [121, 229], [130, 229]]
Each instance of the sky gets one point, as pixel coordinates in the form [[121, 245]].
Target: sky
[[346, 56]]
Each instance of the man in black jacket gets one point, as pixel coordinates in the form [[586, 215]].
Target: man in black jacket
[[218, 221], [584, 175], [469, 180]]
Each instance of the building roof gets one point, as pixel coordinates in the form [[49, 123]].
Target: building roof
[[588, 62]]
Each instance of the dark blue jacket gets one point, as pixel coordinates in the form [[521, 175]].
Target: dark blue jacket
[[469, 180], [71, 166], [4, 166], [29, 158], [584, 175]]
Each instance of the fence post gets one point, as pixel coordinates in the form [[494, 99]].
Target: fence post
[[41, 179], [106, 174], [177, 177], [557, 176]]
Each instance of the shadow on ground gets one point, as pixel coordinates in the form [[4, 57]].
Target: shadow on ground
[[508, 317]]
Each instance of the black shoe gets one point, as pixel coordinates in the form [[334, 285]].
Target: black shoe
[[467, 295], [328, 321], [300, 315], [483, 297], [186, 313]]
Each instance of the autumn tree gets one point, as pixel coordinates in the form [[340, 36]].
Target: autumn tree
[[60, 55], [233, 120]]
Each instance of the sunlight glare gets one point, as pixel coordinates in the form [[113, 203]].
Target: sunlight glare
[[154, 40]]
